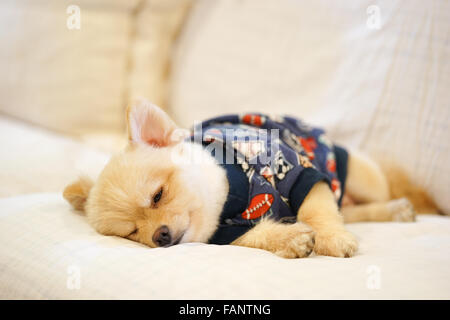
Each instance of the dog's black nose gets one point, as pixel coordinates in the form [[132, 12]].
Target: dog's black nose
[[162, 237]]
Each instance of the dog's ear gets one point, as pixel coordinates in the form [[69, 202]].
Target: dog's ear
[[77, 193], [149, 124]]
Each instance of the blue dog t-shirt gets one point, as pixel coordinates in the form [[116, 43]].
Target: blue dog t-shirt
[[271, 163]]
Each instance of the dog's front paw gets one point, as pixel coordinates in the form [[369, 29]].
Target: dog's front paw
[[402, 210], [336, 243], [294, 241]]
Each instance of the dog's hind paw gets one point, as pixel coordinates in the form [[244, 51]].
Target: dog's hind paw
[[402, 210]]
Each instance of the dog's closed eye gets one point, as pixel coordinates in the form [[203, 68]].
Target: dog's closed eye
[[133, 233], [157, 197]]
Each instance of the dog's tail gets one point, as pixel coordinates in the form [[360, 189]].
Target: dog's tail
[[400, 186], [77, 193]]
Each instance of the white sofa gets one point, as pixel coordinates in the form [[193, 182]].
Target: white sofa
[[381, 88]]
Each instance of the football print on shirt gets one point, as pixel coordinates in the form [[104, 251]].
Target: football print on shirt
[[259, 205]]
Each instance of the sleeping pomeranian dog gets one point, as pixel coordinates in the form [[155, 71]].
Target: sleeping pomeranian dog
[[267, 182]]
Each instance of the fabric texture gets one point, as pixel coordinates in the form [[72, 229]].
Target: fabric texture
[[66, 79], [156, 26], [51, 252], [282, 158], [37, 160], [373, 73], [79, 80]]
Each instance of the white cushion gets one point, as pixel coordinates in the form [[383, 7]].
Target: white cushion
[[50, 252], [157, 23], [382, 90], [79, 81], [69, 80]]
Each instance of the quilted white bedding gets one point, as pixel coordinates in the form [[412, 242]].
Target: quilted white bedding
[[48, 251]]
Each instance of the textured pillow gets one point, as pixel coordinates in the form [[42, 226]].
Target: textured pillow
[[68, 79], [376, 76], [157, 23], [78, 81]]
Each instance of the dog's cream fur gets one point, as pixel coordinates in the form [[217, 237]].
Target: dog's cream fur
[[120, 202]]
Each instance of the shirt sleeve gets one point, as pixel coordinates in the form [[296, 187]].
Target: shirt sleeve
[[226, 234], [304, 183]]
